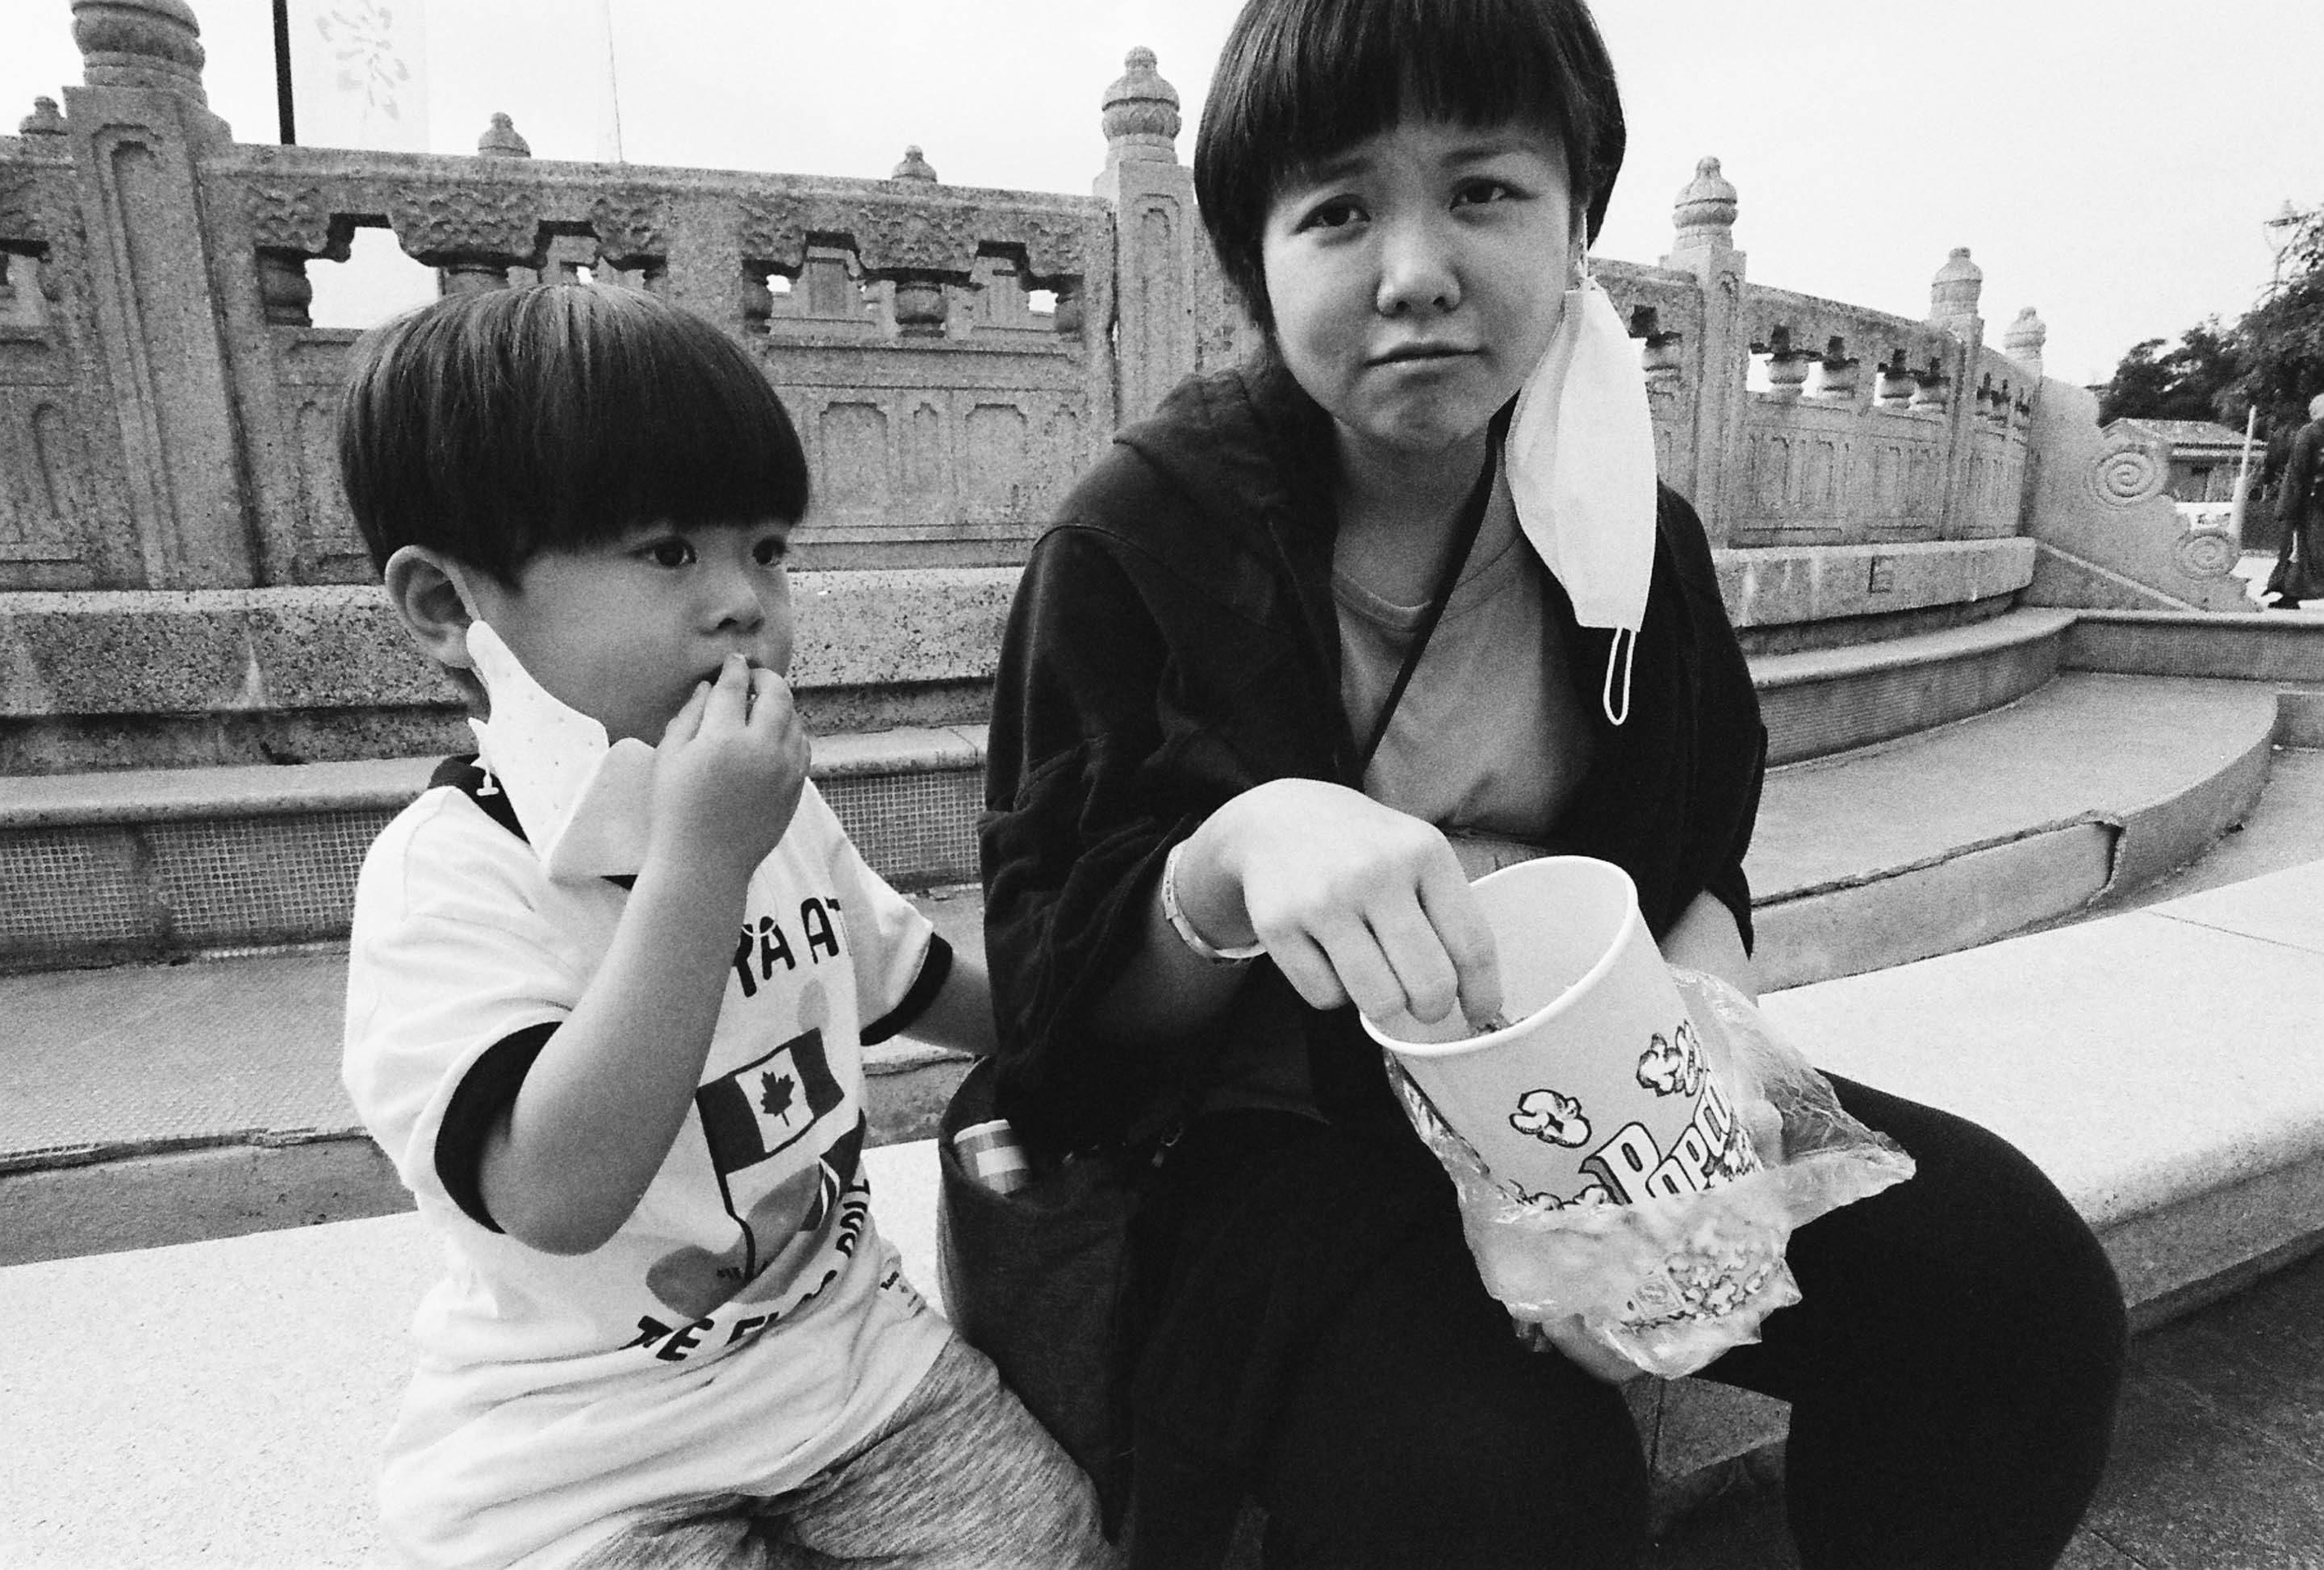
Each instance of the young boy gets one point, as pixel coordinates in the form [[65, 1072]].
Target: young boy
[[608, 984]]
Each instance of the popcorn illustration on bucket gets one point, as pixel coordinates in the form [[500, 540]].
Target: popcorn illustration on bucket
[[1600, 1091]]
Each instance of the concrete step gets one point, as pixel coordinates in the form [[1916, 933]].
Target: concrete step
[[2080, 792], [224, 1400], [148, 1105], [157, 864], [1835, 700]]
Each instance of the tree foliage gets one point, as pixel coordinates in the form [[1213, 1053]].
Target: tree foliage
[[2281, 341], [2272, 358], [2191, 382]]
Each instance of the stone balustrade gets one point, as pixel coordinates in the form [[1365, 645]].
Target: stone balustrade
[[954, 356]]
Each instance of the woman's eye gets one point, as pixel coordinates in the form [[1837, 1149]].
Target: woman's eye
[[1482, 191], [670, 553], [1332, 215]]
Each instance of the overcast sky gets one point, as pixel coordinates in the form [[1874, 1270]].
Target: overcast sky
[[2108, 163]]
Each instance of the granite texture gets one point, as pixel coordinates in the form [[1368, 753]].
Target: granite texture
[[1774, 585]]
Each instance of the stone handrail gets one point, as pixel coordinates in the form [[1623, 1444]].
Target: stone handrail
[[165, 403]]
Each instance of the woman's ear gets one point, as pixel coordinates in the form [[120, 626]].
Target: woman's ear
[[431, 592]]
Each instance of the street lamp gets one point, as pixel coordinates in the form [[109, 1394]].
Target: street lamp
[[2280, 232]]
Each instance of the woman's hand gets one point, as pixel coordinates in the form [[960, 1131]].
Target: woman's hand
[[1356, 902]]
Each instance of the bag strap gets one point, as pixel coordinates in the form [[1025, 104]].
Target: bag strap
[[1465, 529]]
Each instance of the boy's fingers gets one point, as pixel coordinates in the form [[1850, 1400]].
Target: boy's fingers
[[730, 694], [769, 698], [687, 721]]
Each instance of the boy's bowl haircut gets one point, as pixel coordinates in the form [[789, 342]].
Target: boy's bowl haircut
[[497, 425]]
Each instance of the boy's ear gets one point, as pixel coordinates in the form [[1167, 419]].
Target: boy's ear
[[430, 591]]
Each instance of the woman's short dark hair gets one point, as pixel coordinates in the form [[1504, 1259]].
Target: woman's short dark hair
[[497, 425], [1302, 80]]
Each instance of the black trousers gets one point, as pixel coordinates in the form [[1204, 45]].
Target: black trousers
[[1320, 1343]]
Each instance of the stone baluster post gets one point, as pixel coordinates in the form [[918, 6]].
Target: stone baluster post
[[1159, 241], [138, 126], [2023, 341], [1953, 306], [1704, 218]]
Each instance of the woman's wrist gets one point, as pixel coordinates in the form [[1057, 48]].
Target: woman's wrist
[[1175, 913]]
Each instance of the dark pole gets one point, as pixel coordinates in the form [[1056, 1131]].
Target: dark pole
[[282, 73]]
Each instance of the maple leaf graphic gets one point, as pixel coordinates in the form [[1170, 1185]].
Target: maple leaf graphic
[[775, 1094]]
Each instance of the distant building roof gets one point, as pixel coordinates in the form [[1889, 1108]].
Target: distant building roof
[[2182, 433]]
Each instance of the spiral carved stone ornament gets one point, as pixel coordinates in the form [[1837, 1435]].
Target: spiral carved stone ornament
[[2206, 552], [2126, 474]]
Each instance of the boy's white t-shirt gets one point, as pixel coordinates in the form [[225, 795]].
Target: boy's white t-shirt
[[747, 1326]]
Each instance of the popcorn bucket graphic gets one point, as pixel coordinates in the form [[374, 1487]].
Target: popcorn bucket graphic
[[1601, 1090]]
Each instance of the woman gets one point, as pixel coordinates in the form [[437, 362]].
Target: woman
[[1224, 816]]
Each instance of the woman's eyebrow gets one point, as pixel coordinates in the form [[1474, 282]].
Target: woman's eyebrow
[[1318, 171]]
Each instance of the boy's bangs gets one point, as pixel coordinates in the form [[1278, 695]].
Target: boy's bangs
[[660, 420]]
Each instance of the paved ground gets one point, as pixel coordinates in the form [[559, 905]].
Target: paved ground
[[2217, 1463]]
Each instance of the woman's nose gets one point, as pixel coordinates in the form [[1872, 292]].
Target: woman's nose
[[1417, 268]]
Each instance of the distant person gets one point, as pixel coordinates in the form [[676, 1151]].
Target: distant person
[[606, 1008], [2299, 510]]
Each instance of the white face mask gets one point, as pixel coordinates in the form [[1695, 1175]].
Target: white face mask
[[1580, 460], [583, 803]]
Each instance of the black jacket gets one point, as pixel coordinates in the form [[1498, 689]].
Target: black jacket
[[1173, 643]]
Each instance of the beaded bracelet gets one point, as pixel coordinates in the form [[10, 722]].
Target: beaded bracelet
[[1242, 954]]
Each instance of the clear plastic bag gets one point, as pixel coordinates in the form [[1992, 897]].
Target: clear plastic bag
[[1668, 1284]]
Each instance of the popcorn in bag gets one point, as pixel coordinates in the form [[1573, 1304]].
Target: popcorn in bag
[[1671, 1257]]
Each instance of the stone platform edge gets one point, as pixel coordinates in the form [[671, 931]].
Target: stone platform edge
[[275, 790]]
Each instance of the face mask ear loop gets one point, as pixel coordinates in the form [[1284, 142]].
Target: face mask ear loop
[[1622, 651], [491, 786]]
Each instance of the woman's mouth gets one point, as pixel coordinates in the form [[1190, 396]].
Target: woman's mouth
[[1421, 355]]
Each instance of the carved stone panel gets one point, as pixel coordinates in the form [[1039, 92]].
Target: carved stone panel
[[921, 476], [995, 440], [20, 207], [855, 476], [910, 234], [50, 495], [437, 225], [294, 218], [632, 227]]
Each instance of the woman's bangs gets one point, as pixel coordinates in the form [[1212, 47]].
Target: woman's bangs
[[1371, 67]]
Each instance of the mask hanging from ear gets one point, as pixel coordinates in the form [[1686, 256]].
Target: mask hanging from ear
[[1581, 462], [582, 801]]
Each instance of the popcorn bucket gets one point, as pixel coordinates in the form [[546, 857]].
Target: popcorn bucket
[[1601, 1089]]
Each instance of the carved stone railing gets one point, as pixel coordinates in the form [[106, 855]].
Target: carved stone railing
[[953, 358]]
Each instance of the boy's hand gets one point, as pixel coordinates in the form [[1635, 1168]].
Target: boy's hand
[[729, 771]]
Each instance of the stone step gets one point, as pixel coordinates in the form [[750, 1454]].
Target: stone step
[[150, 1105], [2142, 1060], [1835, 700], [2080, 792], [158, 864]]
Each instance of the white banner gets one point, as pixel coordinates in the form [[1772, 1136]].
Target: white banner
[[359, 73]]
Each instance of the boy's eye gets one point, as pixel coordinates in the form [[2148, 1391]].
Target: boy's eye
[[770, 550], [670, 553]]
